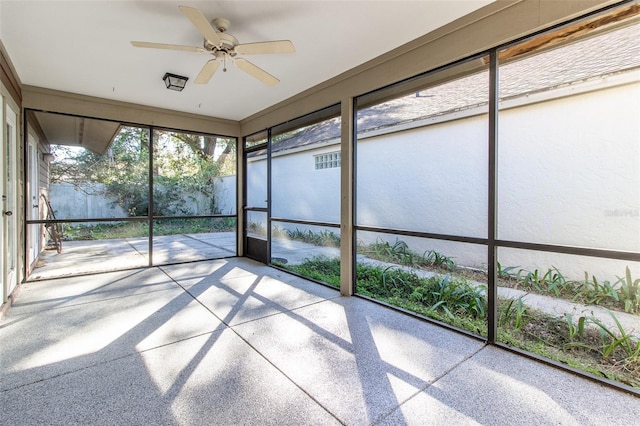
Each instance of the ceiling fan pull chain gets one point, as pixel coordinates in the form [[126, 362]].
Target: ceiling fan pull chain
[[224, 59]]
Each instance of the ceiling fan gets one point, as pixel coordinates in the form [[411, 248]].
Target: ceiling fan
[[223, 46]]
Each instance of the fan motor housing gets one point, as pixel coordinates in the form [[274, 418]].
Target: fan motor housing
[[227, 43]]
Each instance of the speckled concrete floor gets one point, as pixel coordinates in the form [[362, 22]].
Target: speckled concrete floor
[[231, 341]]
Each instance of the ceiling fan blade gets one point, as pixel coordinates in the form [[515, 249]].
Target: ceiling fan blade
[[256, 72], [207, 71], [265, 47], [201, 23], [150, 45]]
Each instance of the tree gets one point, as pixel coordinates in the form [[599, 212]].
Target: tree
[[186, 168]]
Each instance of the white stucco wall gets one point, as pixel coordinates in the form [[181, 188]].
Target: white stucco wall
[[301, 192], [430, 179], [569, 171], [568, 174]]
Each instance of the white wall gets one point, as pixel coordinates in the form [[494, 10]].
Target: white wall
[[568, 174], [301, 192], [569, 171], [68, 202], [430, 179], [256, 176], [225, 190]]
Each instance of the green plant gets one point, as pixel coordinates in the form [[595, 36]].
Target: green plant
[[629, 292], [454, 296], [576, 330], [552, 281], [395, 282], [555, 281], [612, 340], [105, 231], [434, 258], [322, 238], [506, 272], [512, 313], [320, 268], [583, 342], [398, 252], [591, 291]]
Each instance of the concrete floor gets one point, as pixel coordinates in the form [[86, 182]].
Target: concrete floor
[[83, 257], [231, 341]]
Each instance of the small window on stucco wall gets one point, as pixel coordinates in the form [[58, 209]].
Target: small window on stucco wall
[[327, 161]]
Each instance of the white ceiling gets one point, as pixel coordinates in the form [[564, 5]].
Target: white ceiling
[[83, 46]]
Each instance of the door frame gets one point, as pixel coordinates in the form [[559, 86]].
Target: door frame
[[256, 247], [33, 197], [10, 138]]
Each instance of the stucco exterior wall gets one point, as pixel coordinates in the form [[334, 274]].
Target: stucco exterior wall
[[568, 174], [569, 171], [301, 192], [430, 179]]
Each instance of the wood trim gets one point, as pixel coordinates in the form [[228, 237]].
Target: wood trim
[[591, 26], [9, 76], [49, 100], [35, 126]]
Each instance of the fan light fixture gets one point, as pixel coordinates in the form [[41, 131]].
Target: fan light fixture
[[175, 82], [223, 47]]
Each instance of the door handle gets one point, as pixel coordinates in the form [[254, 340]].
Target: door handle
[[9, 213], [35, 206]]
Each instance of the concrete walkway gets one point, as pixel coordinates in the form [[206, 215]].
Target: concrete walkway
[[230, 342]]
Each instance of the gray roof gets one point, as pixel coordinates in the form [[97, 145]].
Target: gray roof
[[588, 59]]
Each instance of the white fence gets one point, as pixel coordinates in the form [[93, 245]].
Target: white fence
[[73, 202]]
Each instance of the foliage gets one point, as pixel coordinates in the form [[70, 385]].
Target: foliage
[[257, 228], [185, 168], [629, 292], [104, 231], [400, 253], [585, 342], [624, 294], [322, 238], [443, 297], [512, 313], [320, 268]]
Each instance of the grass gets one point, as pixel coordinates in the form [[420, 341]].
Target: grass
[[320, 268], [400, 253], [623, 295], [105, 231], [584, 342], [322, 238]]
